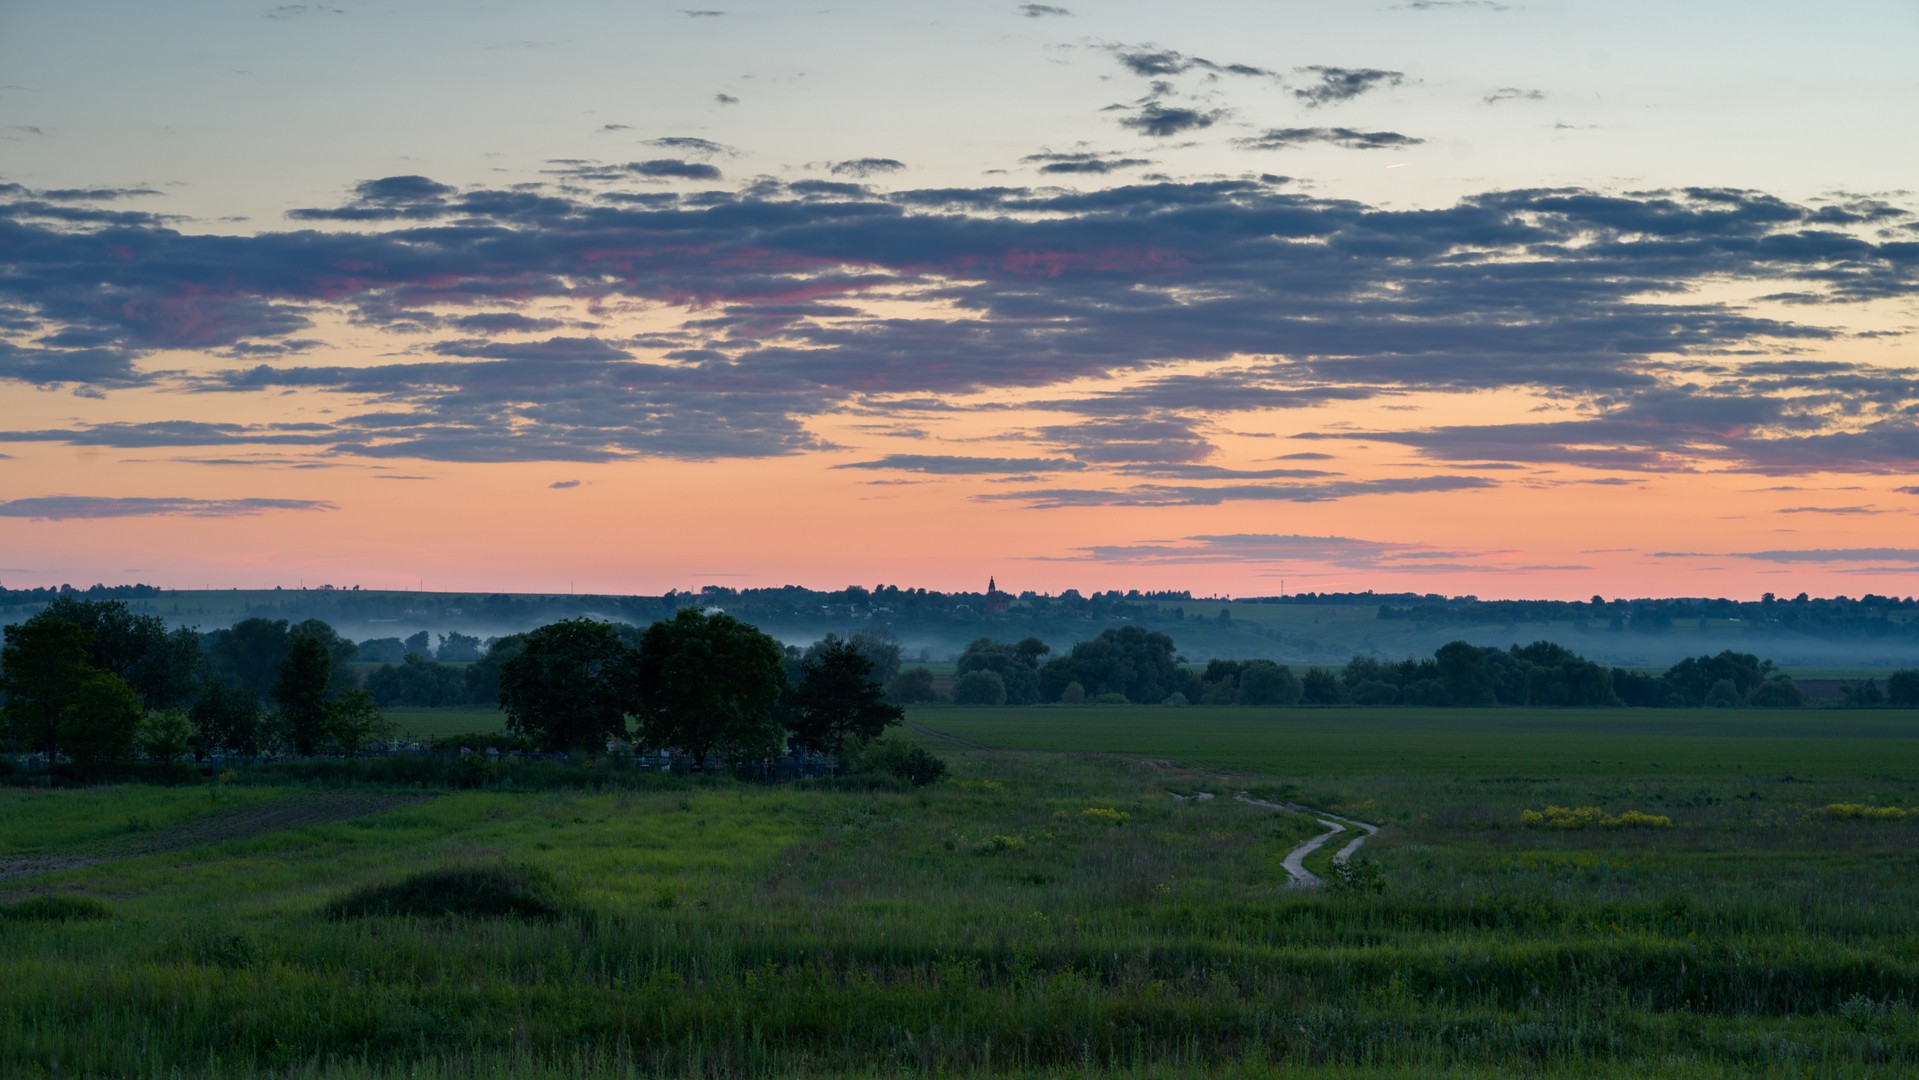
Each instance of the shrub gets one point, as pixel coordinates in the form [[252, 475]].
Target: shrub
[[1561, 817], [895, 757], [980, 687], [1358, 876], [1074, 694], [1875, 813], [1106, 814], [507, 889], [1111, 699]]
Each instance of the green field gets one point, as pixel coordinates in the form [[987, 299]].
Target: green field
[[992, 925], [430, 724], [1477, 743]]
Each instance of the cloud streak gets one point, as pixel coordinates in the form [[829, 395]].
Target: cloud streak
[[94, 507]]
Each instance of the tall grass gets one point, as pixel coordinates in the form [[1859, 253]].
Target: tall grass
[[732, 930]]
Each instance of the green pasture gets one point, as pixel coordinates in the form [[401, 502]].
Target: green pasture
[[1049, 910], [1480, 743], [429, 724]]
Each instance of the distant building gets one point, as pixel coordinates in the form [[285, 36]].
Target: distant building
[[997, 603]]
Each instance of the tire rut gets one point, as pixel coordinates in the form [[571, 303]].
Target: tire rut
[[321, 808]]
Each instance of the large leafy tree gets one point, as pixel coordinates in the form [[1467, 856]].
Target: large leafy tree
[[41, 668], [710, 683], [483, 675], [1129, 660], [838, 698], [159, 664], [100, 721], [1017, 665], [571, 685], [301, 691], [249, 653], [353, 721], [227, 718]]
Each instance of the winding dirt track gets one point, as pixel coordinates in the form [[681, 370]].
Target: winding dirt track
[[1295, 862], [317, 808]]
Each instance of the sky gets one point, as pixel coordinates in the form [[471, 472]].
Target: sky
[[1453, 296]]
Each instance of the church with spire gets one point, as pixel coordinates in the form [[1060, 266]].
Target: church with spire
[[997, 603]]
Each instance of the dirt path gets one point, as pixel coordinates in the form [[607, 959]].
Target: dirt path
[[1295, 861], [317, 808]]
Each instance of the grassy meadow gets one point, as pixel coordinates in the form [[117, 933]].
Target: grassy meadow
[[1050, 909]]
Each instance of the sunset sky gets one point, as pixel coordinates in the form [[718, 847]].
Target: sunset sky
[[1459, 296]]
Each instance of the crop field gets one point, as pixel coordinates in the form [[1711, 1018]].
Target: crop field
[[1062, 904]]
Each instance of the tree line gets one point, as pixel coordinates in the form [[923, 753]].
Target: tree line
[[1133, 665], [91, 681]]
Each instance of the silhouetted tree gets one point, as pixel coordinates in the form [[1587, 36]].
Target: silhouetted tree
[[226, 718], [981, 687], [710, 683], [100, 721], [159, 664], [1129, 660], [571, 687], [838, 699], [41, 668], [1262, 682], [301, 691], [912, 686]]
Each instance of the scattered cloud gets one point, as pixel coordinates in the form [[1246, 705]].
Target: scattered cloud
[[725, 99], [86, 507], [673, 168], [1160, 441], [1454, 5], [1514, 93], [1338, 84], [1831, 510], [563, 485], [1195, 495], [687, 144], [1805, 555], [1160, 120], [947, 465], [1290, 138], [1082, 161], [295, 11], [1040, 11], [866, 166], [1262, 549], [1152, 62], [701, 13], [96, 194]]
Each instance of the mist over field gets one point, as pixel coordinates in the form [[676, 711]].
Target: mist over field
[[1840, 637]]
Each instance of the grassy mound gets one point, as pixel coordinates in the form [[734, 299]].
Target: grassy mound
[[505, 890], [57, 909]]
